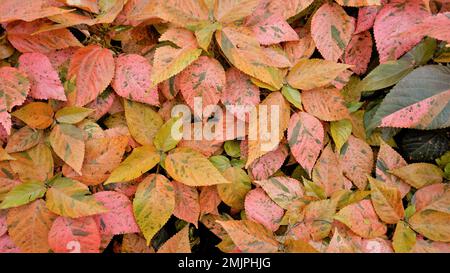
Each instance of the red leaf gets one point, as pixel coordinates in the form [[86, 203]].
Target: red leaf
[[261, 209], [305, 136], [79, 235], [394, 18], [93, 69], [28, 10], [268, 164], [359, 51], [132, 79], [119, 219], [209, 200], [332, 29], [366, 18], [45, 82], [187, 205]]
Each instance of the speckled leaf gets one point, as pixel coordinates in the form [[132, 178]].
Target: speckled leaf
[[141, 160], [325, 103], [192, 168], [340, 132], [33, 164], [313, 73], [132, 79], [67, 142], [261, 209], [178, 243], [356, 159], [394, 18], [332, 29], [69, 198], [187, 205], [69, 235], [427, 246], [250, 237], [419, 175], [404, 238], [427, 195], [358, 3], [361, 219], [268, 164], [358, 52], [23, 193], [143, 122], [366, 18], [327, 172], [432, 224], [153, 204], [37, 115], [318, 218], [305, 136], [92, 68], [343, 244], [227, 11], [233, 194], [387, 201], [209, 199], [28, 10], [282, 190], [303, 48], [29, 227]]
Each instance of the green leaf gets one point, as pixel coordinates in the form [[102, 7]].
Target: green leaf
[[422, 52], [340, 131], [404, 238], [23, 194], [72, 114], [167, 138], [141, 160], [312, 189], [293, 96], [221, 162], [232, 148]]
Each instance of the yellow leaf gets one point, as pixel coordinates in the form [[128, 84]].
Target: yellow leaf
[[228, 11], [4, 155], [419, 175], [404, 238], [432, 224], [298, 246], [340, 131], [141, 160], [143, 122], [178, 243], [165, 140], [67, 142], [192, 168], [233, 194], [38, 115], [34, 164], [313, 73], [153, 204], [387, 201], [72, 114]]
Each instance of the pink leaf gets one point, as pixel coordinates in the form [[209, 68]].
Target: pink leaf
[[204, 78], [303, 48], [358, 52], [187, 205], [394, 18], [268, 164], [7, 245], [327, 172], [209, 200], [45, 82], [119, 219], [132, 79], [74, 235], [101, 105], [426, 195], [305, 136], [261, 209], [377, 245], [332, 29], [326, 104], [366, 18], [3, 224]]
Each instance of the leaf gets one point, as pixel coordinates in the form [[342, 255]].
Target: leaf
[[92, 68], [165, 140], [29, 227], [366, 18], [356, 160], [325, 103], [135, 243], [153, 204], [386, 74], [119, 219], [204, 78], [69, 235], [69, 198], [33, 164], [250, 237], [340, 132], [170, 61], [298, 246], [204, 32], [178, 243], [269, 164], [313, 73], [327, 172], [389, 159], [192, 168], [187, 205], [346, 197], [44, 79], [72, 114], [244, 52], [23, 194], [404, 238], [274, 119], [394, 18], [293, 96], [305, 137], [88, 5], [343, 244], [143, 122], [331, 29], [427, 246], [37, 115], [432, 224], [141, 160], [361, 219], [419, 175], [28, 10], [318, 218], [420, 100], [261, 209], [182, 13], [221, 162], [427, 195], [358, 52], [23, 139], [132, 79], [228, 11], [233, 193], [358, 3], [282, 190], [387, 201], [67, 142]]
